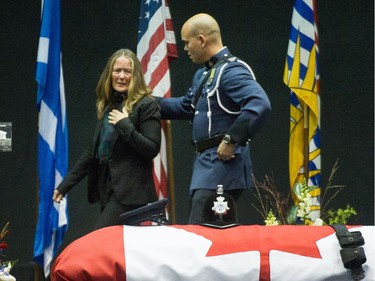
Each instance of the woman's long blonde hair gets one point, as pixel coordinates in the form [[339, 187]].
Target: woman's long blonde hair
[[137, 87]]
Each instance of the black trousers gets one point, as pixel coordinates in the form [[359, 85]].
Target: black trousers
[[110, 214], [199, 198]]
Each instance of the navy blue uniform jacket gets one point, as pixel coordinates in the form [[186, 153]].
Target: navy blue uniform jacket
[[231, 102]]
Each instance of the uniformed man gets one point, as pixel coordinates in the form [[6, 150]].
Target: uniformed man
[[227, 107]]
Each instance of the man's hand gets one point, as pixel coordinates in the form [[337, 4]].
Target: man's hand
[[225, 151]]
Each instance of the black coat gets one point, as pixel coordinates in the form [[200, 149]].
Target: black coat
[[130, 164]]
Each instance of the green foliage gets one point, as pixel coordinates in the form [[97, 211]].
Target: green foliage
[[340, 216], [271, 219], [286, 211], [292, 215]]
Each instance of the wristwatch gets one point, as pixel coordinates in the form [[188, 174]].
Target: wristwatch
[[228, 139]]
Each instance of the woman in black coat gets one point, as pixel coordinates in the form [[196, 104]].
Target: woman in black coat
[[127, 137]]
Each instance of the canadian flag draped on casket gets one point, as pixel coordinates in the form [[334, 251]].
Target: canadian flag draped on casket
[[192, 252]]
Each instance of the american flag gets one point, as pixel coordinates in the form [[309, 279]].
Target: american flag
[[302, 77], [156, 48], [52, 138]]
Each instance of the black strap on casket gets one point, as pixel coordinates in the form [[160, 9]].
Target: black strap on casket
[[352, 255]]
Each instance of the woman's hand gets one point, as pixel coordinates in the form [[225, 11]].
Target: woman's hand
[[57, 196], [116, 115]]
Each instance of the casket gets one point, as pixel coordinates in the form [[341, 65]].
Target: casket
[[194, 252]]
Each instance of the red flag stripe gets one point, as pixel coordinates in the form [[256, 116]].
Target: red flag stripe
[[158, 74], [156, 39]]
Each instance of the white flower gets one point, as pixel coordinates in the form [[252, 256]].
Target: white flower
[[318, 222], [4, 274], [304, 205], [300, 213]]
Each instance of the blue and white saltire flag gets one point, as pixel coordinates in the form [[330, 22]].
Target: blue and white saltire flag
[[52, 138]]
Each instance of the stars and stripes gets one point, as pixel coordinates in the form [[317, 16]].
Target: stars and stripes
[[52, 139], [156, 48], [302, 77]]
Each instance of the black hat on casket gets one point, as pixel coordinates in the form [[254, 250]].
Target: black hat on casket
[[153, 212], [220, 210]]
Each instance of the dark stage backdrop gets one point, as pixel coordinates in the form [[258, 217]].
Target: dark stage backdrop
[[256, 31]]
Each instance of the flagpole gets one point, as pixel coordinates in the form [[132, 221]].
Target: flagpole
[[171, 192], [306, 112]]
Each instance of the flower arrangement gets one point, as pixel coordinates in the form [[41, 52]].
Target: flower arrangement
[[5, 266], [275, 208]]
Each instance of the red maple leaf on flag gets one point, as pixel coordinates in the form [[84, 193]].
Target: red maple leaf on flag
[[299, 240]]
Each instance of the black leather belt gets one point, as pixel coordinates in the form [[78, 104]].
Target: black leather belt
[[204, 144]]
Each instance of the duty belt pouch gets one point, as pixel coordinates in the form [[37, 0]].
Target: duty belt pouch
[[352, 255], [347, 238], [350, 239]]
